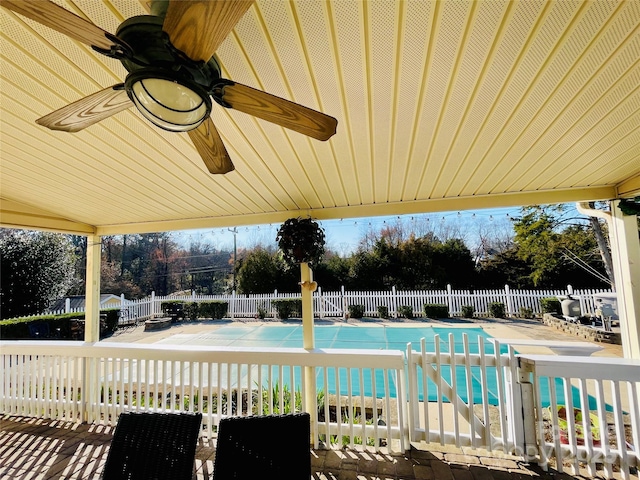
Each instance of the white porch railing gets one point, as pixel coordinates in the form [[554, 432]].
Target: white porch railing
[[490, 399], [45, 379], [605, 429]]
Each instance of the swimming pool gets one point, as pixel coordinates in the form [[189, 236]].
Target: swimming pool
[[329, 336], [372, 338]]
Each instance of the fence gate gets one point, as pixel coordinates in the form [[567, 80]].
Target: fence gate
[[462, 394]]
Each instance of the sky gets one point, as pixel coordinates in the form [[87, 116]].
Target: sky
[[342, 236]]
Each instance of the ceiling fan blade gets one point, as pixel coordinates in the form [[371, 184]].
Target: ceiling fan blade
[[60, 19], [279, 111], [211, 148], [198, 27], [88, 110]]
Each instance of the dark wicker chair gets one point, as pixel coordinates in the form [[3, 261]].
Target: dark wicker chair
[[148, 446], [270, 446]]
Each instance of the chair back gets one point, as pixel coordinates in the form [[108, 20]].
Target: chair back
[[150, 446], [268, 446]]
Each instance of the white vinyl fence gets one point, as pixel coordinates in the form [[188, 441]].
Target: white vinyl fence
[[336, 303]]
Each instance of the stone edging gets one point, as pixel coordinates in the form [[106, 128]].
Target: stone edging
[[590, 334]]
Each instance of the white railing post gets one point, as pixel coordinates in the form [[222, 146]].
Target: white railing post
[[509, 301], [343, 303], [515, 432], [413, 415], [232, 306], [320, 303], [529, 444], [153, 305], [394, 302], [450, 300], [67, 305]]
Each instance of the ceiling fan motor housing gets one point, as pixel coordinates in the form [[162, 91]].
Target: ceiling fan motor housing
[[170, 90], [151, 48]]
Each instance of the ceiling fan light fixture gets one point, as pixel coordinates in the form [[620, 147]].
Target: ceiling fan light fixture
[[172, 103]]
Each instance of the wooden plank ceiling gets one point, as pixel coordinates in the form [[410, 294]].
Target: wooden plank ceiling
[[444, 105]]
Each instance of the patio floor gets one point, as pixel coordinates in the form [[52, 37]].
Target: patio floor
[[46, 449]]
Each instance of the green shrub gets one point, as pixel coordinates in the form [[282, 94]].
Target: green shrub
[[173, 309], [59, 325], [220, 309], [383, 312], [170, 303], [497, 310], [111, 319], [405, 311], [356, 311], [435, 310], [191, 310], [262, 312], [287, 307], [551, 305], [526, 312], [215, 309], [468, 311]]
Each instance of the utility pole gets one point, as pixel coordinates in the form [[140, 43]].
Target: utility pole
[[234, 230]]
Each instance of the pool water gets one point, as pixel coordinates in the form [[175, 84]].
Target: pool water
[[369, 337]]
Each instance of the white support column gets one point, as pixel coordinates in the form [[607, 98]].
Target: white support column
[[92, 290], [625, 249], [308, 286], [91, 323]]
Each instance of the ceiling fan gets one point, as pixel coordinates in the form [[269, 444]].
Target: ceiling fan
[[172, 73]]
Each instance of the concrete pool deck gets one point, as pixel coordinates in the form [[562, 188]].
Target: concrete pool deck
[[511, 328]]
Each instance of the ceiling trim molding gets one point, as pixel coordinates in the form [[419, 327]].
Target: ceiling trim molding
[[356, 211], [630, 187], [17, 215]]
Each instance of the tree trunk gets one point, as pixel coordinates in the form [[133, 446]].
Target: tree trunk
[[124, 253], [605, 252]]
